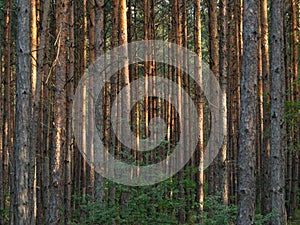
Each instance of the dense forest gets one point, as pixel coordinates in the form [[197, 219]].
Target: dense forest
[[52, 52]]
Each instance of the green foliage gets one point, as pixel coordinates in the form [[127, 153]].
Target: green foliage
[[146, 205], [292, 112], [5, 212], [218, 213], [158, 204]]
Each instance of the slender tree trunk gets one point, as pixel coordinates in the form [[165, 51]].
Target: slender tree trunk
[[99, 50], [125, 79], [70, 140], [224, 86], [36, 138], [247, 142], [294, 88], [277, 161], [2, 195], [114, 43], [33, 152], [91, 47], [178, 39], [7, 120], [215, 168], [60, 110], [23, 125], [265, 153], [198, 74]]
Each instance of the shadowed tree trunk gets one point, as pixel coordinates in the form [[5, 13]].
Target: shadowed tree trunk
[[23, 125], [277, 161], [247, 142]]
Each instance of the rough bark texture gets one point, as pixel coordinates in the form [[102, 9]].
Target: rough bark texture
[[277, 161], [60, 110], [265, 153], [22, 128], [247, 151]]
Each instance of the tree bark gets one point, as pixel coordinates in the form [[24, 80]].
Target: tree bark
[[224, 86], [265, 153], [23, 125], [247, 142], [277, 160], [99, 50], [60, 111], [200, 105]]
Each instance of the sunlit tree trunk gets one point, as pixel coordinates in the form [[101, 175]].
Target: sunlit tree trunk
[[224, 86], [7, 120], [200, 105], [33, 152], [265, 151], [60, 111], [125, 79]]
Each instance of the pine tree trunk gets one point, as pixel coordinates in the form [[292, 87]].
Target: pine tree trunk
[[7, 120], [294, 87], [224, 86], [125, 80], [265, 153], [60, 111], [99, 50], [215, 168], [277, 161], [247, 142], [33, 152], [23, 125]]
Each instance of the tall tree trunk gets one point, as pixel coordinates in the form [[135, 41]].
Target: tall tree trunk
[[265, 153], [36, 107], [125, 80], [60, 110], [70, 140], [7, 120], [294, 87], [2, 195], [23, 125], [247, 143], [198, 76], [215, 168], [91, 56], [178, 39], [99, 50], [114, 43], [224, 86], [33, 152], [277, 161]]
